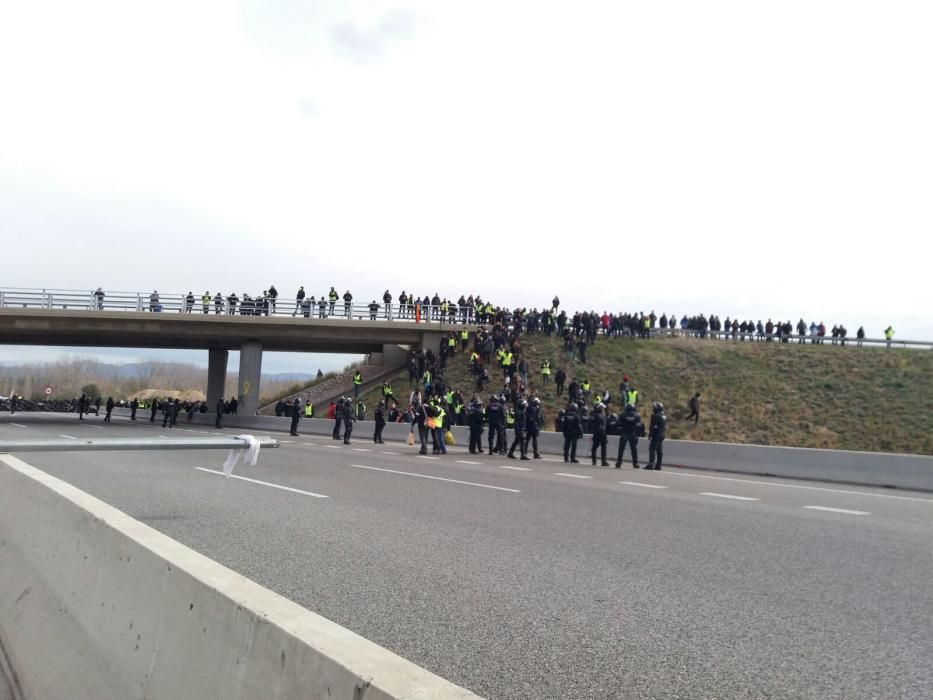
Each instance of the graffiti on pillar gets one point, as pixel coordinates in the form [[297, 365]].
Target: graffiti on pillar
[[245, 388]]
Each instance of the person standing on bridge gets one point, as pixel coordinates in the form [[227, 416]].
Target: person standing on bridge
[[99, 298], [889, 334], [218, 304], [332, 299], [347, 303], [206, 301], [189, 302], [373, 310], [357, 381], [273, 297], [296, 416], [387, 303], [299, 300], [154, 304]]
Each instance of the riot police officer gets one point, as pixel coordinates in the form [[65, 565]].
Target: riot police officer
[[532, 425], [494, 417], [657, 431], [475, 421], [598, 427], [631, 427], [573, 431], [348, 418], [296, 416], [380, 417], [519, 427]]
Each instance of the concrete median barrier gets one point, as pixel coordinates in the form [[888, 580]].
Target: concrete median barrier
[[94, 604]]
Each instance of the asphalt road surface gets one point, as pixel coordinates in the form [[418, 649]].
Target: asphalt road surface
[[544, 580]]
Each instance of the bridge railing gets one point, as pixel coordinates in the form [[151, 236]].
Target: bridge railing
[[87, 300]]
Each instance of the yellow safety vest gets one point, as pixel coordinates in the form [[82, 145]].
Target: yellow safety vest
[[585, 386], [451, 342], [357, 379], [632, 397], [309, 410], [464, 335], [507, 359]]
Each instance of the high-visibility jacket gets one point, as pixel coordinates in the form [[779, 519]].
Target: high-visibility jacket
[[507, 359], [439, 420], [449, 396], [332, 296], [473, 357], [889, 333], [357, 379], [510, 418], [585, 386], [464, 335], [205, 299], [444, 307], [309, 410], [451, 342], [631, 397], [546, 368], [426, 378]]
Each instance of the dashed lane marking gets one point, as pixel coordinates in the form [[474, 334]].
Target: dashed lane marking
[[427, 457], [729, 495], [68, 436], [573, 476], [360, 449], [838, 510], [437, 478], [19, 425], [464, 461], [386, 452], [800, 486], [516, 469], [264, 483], [646, 486]]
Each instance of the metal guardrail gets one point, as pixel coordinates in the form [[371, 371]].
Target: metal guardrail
[[86, 300], [110, 444]]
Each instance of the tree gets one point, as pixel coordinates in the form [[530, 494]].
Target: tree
[[90, 390]]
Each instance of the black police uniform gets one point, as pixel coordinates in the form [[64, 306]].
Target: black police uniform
[[631, 427], [475, 420], [573, 431], [519, 428], [657, 431], [598, 426]]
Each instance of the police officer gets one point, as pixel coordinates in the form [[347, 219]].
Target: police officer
[[519, 439], [296, 416], [494, 417], [380, 418], [573, 431], [348, 419], [475, 421], [219, 407], [532, 425], [657, 431], [598, 426], [134, 404], [153, 407], [631, 427], [502, 439], [338, 418]]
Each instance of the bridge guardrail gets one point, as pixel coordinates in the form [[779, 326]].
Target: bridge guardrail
[[85, 300]]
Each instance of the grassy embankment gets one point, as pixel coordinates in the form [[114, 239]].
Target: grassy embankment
[[848, 398]]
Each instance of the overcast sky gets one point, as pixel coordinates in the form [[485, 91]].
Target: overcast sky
[[760, 159]]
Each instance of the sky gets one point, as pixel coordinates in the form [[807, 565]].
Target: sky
[[759, 159]]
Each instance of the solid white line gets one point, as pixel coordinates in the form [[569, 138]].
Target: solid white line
[[729, 495], [360, 449], [263, 483], [436, 478], [286, 441], [68, 436], [18, 425], [517, 469], [838, 510], [307, 444], [88, 425], [799, 486], [550, 459], [386, 452], [427, 457], [333, 447], [463, 461], [573, 476], [647, 486]]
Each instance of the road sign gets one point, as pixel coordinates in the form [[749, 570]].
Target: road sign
[[48, 391]]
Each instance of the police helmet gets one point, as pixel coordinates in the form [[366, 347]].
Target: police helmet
[[522, 403], [629, 408], [571, 408]]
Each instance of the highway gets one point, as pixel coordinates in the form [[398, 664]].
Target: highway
[[545, 580]]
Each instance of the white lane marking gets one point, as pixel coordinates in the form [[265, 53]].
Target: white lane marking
[[838, 510], [799, 486], [307, 444], [464, 461], [360, 449], [550, 459], [88, 425], [729, 495], [436, 478], [264, 483], [286, 441], [573, 476], [333, 447], [18, 425], [427, 457], [69, 437], [386, 452], [647, 486], [517, 469]]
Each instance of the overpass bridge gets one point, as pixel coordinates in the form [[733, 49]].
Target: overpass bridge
[[86, 325]]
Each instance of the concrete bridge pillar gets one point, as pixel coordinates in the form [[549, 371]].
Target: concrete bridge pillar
[[216, 376], [250, 371]]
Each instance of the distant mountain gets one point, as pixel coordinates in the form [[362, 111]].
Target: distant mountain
[[289, 377]]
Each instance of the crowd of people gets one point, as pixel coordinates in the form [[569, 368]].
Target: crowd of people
[[473, 309]]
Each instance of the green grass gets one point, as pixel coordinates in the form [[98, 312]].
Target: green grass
[[850, 398]]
